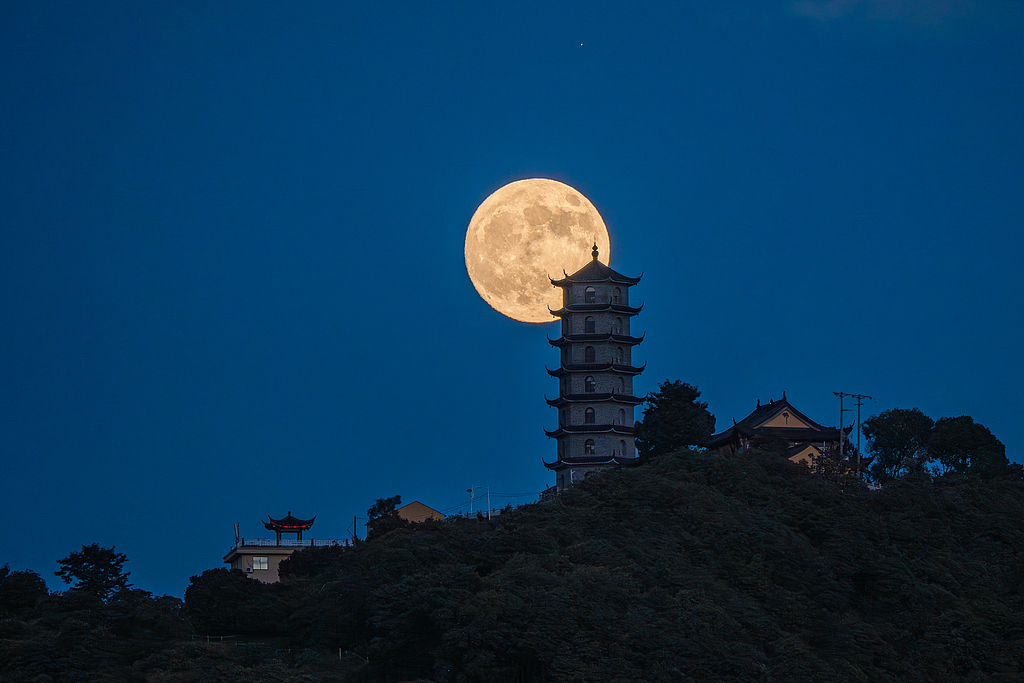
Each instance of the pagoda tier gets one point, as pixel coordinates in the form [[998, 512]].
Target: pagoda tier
[[591, 429], [594, 398], [621, 368], [607, 307], [595, 271], [591, 461], [590, 338]]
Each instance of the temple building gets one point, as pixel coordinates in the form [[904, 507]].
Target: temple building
[[418, 512], [595, 377], [260, 558], [806, 439]]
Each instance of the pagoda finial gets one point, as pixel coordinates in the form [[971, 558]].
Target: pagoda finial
[[595, 251]]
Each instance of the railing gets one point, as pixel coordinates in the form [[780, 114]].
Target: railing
[[288, 543]]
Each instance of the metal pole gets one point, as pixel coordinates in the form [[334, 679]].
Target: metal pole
[[488, 503]]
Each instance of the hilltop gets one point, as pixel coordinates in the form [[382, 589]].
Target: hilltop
[[693, 567]]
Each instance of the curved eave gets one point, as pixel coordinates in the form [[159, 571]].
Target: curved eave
[[617, 278], [591, 429], [595, 337], [566, 370], [288, 526], [625, 399], [591, 461], [596, 308]]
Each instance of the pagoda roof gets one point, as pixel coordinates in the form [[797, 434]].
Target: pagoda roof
[[591, 429], [590, 460], [595, 271], [756, 423], [620, 368], [288, 523], [597, 308], [594, 398], [595, 337]]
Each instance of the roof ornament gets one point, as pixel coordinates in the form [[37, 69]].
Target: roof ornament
[[595, 251], [783, 394], [758, 403]]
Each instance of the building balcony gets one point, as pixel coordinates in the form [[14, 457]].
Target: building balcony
[[286, 543]]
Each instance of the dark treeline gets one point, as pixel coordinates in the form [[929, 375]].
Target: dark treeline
[[693, 567]]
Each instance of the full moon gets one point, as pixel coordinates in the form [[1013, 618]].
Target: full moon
[[523, 233]]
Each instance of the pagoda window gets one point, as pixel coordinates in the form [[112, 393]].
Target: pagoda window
[[619, 354], [589, 295], [588, 384], [617, 296], [588, 447], [589, 325], [622, 445], [617, 329], [622, 385], [588, 416], [589, 354], [260, 563], [622, 417]]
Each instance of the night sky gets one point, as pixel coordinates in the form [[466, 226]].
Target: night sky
[[231, 242]]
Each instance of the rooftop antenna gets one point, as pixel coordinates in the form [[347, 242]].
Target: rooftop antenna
[[236, 534]]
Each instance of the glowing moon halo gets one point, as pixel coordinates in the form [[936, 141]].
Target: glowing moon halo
[[524, 232]]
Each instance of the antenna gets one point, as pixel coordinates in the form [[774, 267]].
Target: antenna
[[236, 534]]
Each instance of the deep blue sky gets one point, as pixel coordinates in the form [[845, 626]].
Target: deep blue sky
[[231, 241]]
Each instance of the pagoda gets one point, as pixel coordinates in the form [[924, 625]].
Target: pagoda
[[260, 558], [288, 525], [595, 377]]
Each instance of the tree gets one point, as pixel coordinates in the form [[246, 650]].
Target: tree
[[673, 419], [898, 439], [382, 517], [963, 446], [222, 600], [99, 571], [19, 591]]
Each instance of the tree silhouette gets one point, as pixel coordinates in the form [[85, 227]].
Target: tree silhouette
[[673, 419], [898, 438], [96, 570]]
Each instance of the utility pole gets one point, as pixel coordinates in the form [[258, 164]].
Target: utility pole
[[842, 441], [860, 399]]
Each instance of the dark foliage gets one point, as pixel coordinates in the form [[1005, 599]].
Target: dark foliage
[[225, 601], [79, 636], [693, 568], [963, 446], [898, 438], [95, 570], [20, 591], [673, 419], [382, 517]]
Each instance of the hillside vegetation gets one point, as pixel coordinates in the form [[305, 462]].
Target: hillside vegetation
[[693, 567]]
